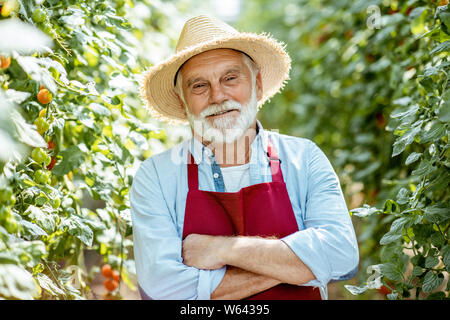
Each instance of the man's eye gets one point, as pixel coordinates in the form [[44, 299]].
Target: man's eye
[[230, 78], [199, 85]]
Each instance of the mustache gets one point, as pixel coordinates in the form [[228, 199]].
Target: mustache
[[216, 108]]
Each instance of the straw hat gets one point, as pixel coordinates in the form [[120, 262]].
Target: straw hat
[[200, 34]]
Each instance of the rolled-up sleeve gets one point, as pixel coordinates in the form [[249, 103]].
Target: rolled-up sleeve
[[328, 243], [161, 273]]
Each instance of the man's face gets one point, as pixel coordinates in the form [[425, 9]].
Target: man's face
[[216, 81]]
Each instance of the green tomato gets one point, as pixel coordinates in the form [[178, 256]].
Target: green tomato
[[11, 224], [41, 176], [40, 156], [12, 200], [39, 16], [42, 125], [6, 194], [5, 213]]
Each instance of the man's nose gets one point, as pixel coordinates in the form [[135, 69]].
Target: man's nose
[[217, 94]]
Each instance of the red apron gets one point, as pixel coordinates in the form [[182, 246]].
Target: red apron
[[263, 209]]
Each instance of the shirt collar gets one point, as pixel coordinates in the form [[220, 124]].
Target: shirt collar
[[201, 152]]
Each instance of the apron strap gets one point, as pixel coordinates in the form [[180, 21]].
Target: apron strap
[[275, 162], [192, 172]]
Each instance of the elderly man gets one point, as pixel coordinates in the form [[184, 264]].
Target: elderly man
[[235, 212]]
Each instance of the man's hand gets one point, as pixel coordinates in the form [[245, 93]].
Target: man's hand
[[202, 251], [268, 257]]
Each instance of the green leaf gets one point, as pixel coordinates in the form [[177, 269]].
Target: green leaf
[[403, 101], [430, 262], [437, 213], [17, 96], [444, 46], [417, 271], [76, 227], [443, 13], [27, 133], [401, 143], [413, 157], [436, 131], [48, 285], [431, 282], [57, 124], [401, 223], [17, 283], [403, 196], [390, 206], [425, 167], [389, 251], [73, 157], [32, 66], [446, 255], [444, 111], [402, 113], [392, 271], [418, 260], [390, 237], [437, 240], [45, 220], [32, 229], [99, 110], [416, 12], [33, 250], [437, 296]]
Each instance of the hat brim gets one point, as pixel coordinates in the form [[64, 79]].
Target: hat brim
[[157, 85]]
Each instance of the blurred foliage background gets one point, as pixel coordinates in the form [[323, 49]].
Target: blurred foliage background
[[369, 84]]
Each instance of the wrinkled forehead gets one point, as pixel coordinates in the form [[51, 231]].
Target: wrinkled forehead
[[211, 56]]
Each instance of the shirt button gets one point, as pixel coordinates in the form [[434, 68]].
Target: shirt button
[[215, 175]]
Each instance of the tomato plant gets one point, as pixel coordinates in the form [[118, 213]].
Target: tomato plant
[[369, 84], [72, 132]]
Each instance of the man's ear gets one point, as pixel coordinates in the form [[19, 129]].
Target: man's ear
[[259, 88]]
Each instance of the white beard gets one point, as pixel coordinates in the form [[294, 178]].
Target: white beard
[[227, 128]]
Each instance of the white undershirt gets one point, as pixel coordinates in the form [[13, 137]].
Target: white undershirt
[[236, 177]]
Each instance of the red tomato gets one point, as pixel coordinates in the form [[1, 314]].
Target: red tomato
[[107, 271]]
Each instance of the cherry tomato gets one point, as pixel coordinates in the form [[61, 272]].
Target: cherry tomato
[[42, 113], [110, 284], [52, 164], [5, 194], [11, 224], [41, 176], [42, 125], [39, 15], [7, 8], [5, 62], [115, 275], [40, 156], [44, 96], [51, 145], [5, 213], [107, 271]]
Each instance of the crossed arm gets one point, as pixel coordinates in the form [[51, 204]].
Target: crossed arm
[[254, 264]]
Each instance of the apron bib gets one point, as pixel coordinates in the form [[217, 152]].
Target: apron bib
[[263, 209]]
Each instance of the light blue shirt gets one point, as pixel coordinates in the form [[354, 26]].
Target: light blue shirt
[[325, 242]]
